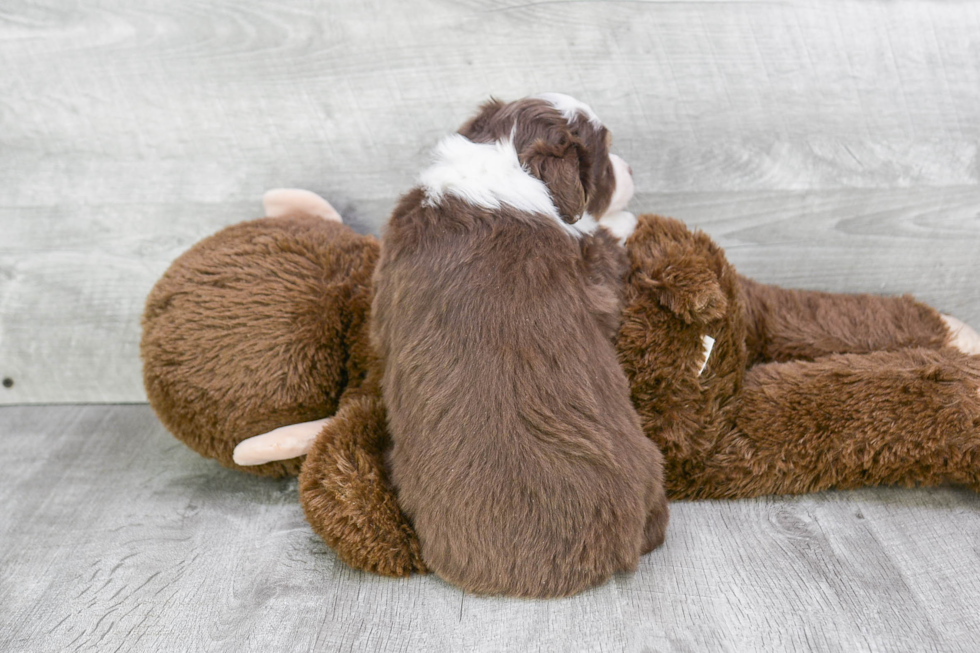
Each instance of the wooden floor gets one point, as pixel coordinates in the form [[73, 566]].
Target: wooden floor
[[830, 144], [116, 537]]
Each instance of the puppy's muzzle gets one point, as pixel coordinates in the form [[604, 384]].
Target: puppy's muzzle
[[624, 190]]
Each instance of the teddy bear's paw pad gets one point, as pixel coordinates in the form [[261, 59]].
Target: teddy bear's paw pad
[[621, 224], [962, 336], [282, 202], [283, 443]]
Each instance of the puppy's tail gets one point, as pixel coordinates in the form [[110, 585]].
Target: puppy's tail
[[282, 202]]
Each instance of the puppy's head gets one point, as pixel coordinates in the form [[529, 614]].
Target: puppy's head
[[560, 141]]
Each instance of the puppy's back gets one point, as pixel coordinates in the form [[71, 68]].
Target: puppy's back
[[516, 451]]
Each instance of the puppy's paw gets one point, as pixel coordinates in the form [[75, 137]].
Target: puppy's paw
[[621, 224], [282, 202], [962, 336]]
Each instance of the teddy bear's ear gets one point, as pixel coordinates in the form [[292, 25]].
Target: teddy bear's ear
[[283, 443], [283, 202]]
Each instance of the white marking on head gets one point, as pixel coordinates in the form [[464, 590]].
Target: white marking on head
[[569, 107], [490, 175]]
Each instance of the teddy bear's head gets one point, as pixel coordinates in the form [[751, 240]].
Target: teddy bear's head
[[260, 325]]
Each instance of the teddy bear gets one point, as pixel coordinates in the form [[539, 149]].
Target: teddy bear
[[255, 353]]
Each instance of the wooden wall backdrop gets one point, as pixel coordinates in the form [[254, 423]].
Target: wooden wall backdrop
[[829, 144]]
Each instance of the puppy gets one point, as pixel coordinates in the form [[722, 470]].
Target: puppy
[[516, 451]]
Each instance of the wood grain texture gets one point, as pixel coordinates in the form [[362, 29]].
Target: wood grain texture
[[825, 144], [116, 537]]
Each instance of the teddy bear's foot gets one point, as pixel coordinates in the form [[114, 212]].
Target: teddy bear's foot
[[283, 443], [621, 224], [281, 202], [962, 336]]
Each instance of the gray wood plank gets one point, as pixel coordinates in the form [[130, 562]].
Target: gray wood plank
[[831, 145], [116, 537]]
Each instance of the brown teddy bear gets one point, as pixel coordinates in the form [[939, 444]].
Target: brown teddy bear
[[748, 389]]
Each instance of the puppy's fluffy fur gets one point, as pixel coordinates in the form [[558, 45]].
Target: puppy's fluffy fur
[[516, 451]]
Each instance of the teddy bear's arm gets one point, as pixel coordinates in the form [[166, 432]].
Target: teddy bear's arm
[[347, 497], [909, 417], [786, 325]]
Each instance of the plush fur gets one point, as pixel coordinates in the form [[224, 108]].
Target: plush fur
[[260, 325], [803, 391], [346, 472], [516, 453]]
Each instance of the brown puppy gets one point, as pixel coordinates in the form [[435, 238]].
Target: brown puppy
[[516, 451]]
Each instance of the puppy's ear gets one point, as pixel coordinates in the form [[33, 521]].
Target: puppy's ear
[[479, 128], [564, 167]]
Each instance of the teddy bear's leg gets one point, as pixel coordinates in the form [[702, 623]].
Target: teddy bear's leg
[[281, 202], [347, 497], [909, 417], [788, 325]]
